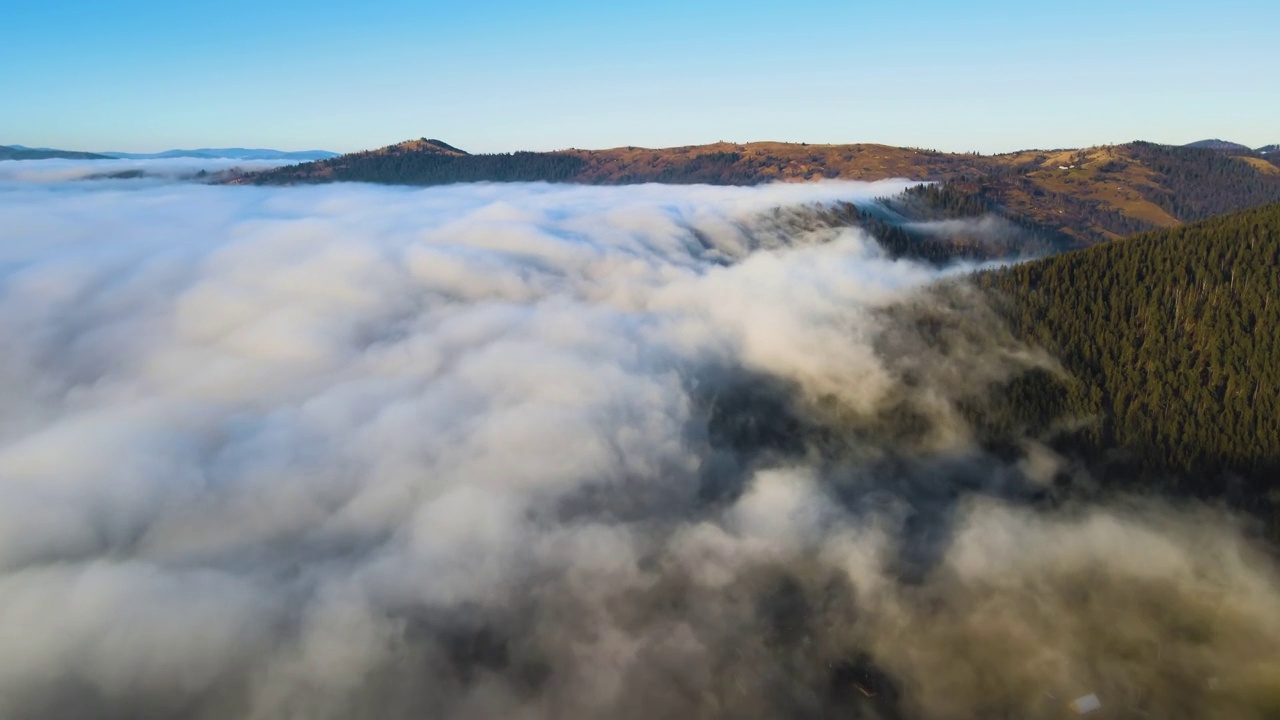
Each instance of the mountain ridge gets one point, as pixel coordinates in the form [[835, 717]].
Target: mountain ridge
[[1090, 194], [228, 154], [19, 152], [22, 152], [1219, 145]]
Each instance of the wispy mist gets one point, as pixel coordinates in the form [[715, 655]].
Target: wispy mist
[[56, 170], [539, 451]]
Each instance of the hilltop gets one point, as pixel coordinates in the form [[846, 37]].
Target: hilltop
[[1220, 145], [1088, 195]]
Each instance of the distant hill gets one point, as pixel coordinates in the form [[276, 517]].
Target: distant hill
[[1220, 146], [1087, 195], [230, 154], [1171, 341], [18, 152], [429, 162], [425, 162], [1268, 149]]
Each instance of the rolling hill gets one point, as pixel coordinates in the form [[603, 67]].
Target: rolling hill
[[1087, 195], [1220, 146]]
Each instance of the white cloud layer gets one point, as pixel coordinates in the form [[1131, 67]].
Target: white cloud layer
[[349, 451], [59, 170]]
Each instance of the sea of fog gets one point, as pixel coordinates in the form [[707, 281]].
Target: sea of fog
[[548, 451]]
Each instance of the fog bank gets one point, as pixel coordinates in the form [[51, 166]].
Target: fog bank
[[541, 451]]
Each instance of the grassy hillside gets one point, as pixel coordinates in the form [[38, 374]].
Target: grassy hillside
[[1172, 342], [1085, 195]]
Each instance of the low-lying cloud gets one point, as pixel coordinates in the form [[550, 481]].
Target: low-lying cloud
[[58, 170], [541, 451]]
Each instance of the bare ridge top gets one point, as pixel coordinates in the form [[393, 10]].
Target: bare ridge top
[[424, 145]]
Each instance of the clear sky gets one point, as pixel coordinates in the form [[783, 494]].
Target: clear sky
[[147, 75]]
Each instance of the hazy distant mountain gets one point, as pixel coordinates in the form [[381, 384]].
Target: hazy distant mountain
[[22, 152], [1268, 149], [230, 154], [19, 152], [1220, 146]]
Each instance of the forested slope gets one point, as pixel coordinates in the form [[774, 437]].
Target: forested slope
[[1172, 342]]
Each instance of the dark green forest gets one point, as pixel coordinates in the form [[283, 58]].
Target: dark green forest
[[914, 224], [1202, 183], [1171, 347], [435, 168], [711, 168], [431, 168]]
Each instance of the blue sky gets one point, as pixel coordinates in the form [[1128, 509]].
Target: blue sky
[[990, 76]]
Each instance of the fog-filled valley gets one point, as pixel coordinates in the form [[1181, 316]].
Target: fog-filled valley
[[533, 451]]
